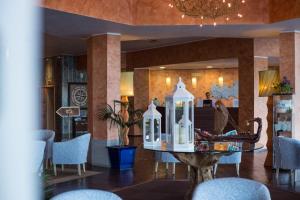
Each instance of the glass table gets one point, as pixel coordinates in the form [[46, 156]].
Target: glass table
[[204, 157]]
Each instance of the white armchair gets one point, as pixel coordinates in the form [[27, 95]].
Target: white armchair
[[234, 158], [39, 149], [71, 152], [86, 194], [287, 151], [48, 137]]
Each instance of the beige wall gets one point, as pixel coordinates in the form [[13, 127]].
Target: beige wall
[[219, 48], [205, 79]]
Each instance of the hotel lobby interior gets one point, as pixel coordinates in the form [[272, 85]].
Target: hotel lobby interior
[[150, 99]]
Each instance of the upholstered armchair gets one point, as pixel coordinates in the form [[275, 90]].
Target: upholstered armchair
[[47, 136], [86, 194], [73, 152], [286, 154], [231, 188], [39, 149], [166, 158], [234, 158]]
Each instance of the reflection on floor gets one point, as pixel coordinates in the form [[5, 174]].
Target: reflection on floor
[[251, 168]]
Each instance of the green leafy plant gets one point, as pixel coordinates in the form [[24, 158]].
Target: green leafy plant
[[116, 118], [284, 86]]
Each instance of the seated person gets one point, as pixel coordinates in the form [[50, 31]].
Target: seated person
[[208, 102]]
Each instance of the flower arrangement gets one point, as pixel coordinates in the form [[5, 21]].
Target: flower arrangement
[[284, 86]]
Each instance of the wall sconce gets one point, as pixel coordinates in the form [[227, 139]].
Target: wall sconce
[[221, 81], [267, 80], [194, 82], [168, 81]]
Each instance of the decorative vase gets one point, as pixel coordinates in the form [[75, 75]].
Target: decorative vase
[[124, 136], [124, 130]]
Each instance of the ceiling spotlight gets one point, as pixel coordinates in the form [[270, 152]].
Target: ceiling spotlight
[[162, 67], [209, 67]]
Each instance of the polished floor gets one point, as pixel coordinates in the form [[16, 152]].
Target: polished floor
[[251, 167]]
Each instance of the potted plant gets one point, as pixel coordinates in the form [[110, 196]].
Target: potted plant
[[121, 156]]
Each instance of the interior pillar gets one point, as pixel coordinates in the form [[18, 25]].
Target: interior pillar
[[260, 103], [290, 68], [141, 87], [246, 89], [263, 109], [104, 70]]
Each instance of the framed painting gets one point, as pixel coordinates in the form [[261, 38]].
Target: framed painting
[[78, 94]]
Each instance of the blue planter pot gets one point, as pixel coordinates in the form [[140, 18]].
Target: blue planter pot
[[122, 157]]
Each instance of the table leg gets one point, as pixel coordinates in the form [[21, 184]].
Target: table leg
[[201, 165]]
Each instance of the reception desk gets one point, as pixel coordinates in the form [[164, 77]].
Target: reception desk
[[204, 118]]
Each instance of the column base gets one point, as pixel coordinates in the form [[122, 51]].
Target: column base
[[99, 153]]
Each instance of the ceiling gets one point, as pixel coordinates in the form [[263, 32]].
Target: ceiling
[[66, 33]]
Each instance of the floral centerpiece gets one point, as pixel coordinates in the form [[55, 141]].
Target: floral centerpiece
[[283, 87]]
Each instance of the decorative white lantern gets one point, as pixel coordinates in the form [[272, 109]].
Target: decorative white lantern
[[152, 127], [180, 119]]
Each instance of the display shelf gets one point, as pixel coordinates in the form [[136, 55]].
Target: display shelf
[[282, 116]]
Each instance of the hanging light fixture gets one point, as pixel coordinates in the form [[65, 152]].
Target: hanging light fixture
[[209, 9]]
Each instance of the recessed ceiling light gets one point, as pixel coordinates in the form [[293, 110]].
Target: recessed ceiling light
[[209, 67], [162, 67]]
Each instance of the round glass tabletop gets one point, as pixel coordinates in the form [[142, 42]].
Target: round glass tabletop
[[212, 147]]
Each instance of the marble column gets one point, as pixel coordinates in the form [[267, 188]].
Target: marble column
[[104, 70], [260, 103], [141, 87], [263, 108], [290, 67]]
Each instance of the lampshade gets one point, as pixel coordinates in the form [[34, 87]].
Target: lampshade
[[126, 85], [267, 80]]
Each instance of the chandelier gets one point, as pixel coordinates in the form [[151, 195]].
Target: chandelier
[[209, 9]]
